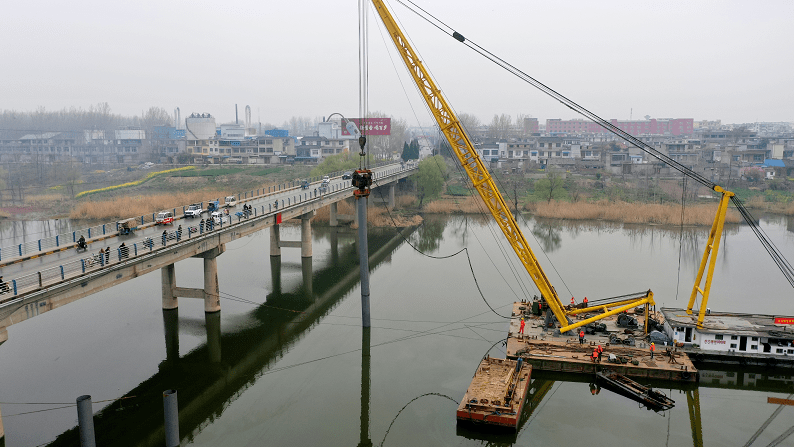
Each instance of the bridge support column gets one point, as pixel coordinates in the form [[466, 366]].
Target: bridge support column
[[392, 187], [333, 220], [213, 324], [275, 241], [306, 235], [168, 274], [356, 212], [212, 292], [171, 326]]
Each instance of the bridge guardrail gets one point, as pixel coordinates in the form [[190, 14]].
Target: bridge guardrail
[[65, 239], [134, 248]]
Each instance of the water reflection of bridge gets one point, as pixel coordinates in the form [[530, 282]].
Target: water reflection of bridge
[[212, 376]]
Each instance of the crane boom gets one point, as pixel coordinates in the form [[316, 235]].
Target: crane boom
[[480, 177]]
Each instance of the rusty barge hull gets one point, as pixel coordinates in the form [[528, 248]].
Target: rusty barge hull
[[497, 394]]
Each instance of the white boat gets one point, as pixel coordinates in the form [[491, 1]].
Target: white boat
[[728, 337]]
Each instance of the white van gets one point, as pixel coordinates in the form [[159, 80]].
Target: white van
[[230, 201]]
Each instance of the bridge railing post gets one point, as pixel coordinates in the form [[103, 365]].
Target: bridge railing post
[[20, 249], [39, 244], [82, 264], [57, 244], [14, 283], [62, 275]]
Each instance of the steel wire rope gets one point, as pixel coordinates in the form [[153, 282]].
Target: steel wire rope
[[500, 246], [400, 339], [511, 263], [409, 403], [777, 256], [64, 405], [402, 85], [468, 259]]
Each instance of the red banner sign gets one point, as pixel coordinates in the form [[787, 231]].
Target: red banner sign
[[371, 126], [784, 320]]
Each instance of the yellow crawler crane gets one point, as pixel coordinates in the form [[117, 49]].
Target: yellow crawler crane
[[481, 179]]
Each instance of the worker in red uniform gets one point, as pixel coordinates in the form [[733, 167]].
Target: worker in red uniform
[[595, 355], [652, 348], [573, 302], [600, 351], [584, 301], [521, 330], [581, 336]]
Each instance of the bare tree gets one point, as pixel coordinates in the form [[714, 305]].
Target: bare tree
[[501, 126]]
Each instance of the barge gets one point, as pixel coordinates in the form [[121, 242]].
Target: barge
[[728, 337], [497, 394]]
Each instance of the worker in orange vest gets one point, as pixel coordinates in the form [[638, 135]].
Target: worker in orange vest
[[595, 355], [581, 336], [652, 348], [573, 302], [600, 351], [584, 301], [521, 330]]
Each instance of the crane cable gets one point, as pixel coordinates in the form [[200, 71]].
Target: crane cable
[[513, 269], [782, 263]]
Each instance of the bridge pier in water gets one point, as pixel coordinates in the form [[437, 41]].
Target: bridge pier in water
[[211, 292]]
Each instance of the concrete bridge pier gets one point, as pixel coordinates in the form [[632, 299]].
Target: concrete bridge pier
[[211, 292], [306, 234], [333, 219], [275, 240], [168, 274], [3, 335]]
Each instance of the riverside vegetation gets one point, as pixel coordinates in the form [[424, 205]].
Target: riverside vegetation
[[440, 188]]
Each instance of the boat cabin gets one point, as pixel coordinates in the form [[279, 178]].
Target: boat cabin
[[728, 332]]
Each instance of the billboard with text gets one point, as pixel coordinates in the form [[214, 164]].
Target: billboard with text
[[371, 126]]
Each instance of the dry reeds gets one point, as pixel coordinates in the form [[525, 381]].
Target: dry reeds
[[121, 207], [640, 213], [455, 205]]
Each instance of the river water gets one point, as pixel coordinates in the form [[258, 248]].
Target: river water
[[287, 363]]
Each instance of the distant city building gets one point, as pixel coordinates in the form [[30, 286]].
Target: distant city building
[[674, 127]]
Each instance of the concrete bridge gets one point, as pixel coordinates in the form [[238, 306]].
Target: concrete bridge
[[42, 282]]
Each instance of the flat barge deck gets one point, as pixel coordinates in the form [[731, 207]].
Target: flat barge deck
[[547, 352], [497, 393]]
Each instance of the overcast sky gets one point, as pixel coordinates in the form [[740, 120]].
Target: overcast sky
[[728, 60]]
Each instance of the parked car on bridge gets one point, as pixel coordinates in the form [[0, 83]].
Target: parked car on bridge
[[230, 201], [194, 210], [164, 218], [219, 217], [347, 175]]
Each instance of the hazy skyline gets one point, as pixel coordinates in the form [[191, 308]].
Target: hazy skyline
[[703, 60]]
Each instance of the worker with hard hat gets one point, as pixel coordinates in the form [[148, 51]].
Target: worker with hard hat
[[652, 348], [521, 329]]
